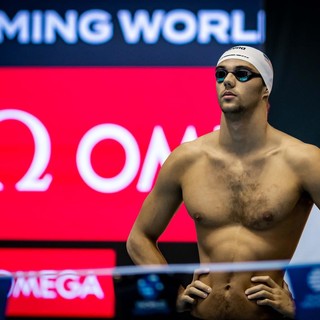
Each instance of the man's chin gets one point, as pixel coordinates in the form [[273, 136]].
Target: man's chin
[[232, 110]]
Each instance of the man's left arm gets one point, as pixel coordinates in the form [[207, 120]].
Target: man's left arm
[[305, 161], [308, 170]]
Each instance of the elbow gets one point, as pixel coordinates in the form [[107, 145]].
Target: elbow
[[133, 245], [130, 245], [139, 247]]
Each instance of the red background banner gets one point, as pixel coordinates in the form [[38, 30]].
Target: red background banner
[[61, 289], [133, 117]]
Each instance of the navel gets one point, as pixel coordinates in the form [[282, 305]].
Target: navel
[[227, 287]]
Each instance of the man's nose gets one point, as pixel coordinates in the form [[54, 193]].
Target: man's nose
[[229, 80]]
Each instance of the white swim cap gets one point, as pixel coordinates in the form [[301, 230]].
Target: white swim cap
[[254, 56]]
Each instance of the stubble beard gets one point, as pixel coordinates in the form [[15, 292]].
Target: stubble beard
[[234, 110]]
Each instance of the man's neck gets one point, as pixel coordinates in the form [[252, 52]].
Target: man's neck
[[243, 133]]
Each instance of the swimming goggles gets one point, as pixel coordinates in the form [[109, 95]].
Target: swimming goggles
[[242, 75]]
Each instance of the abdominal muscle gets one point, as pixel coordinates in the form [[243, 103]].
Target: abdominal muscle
[[228, 301]]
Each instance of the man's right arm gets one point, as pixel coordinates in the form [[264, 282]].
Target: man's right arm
[[195, 291], [156, 213]]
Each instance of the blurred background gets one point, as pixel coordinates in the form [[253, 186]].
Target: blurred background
[[94, 95]]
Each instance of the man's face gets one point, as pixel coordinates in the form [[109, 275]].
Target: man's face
[[239, 85]]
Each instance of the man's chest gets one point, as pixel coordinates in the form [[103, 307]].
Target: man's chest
[[256, 195]]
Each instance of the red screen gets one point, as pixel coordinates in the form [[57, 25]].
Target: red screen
[[81, 146], [53, 282]]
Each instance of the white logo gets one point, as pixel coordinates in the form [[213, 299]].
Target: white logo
[[37, 179], [96, 27], [50, 284]]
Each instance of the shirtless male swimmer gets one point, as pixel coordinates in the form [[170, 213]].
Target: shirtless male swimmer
[[249, 189]]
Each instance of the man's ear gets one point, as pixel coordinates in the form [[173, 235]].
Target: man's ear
[[265, 94]]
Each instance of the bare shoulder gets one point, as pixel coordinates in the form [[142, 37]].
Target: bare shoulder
[[189, 152], [193, 149], [304, 160], [299, 154]]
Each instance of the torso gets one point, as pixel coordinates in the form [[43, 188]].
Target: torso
[[244, 210]]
